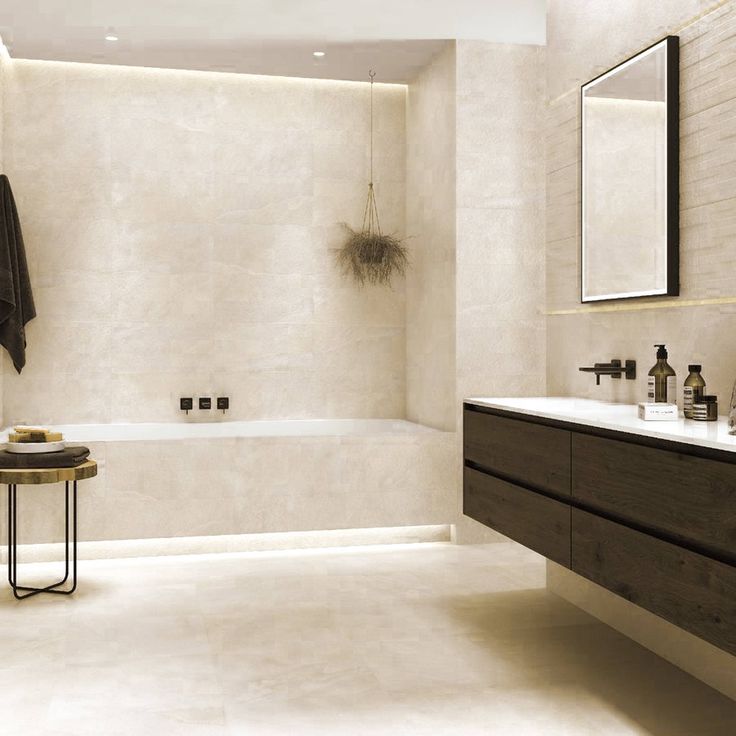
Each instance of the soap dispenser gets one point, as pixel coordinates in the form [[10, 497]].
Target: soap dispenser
[[661, 386]]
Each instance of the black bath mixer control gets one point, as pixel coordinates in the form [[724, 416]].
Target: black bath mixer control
[[186, 404], [205, 403], [223, 403]]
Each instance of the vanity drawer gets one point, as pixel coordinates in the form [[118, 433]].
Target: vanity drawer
[[536, 521], [690, 499], [531, 454], [688, 589]]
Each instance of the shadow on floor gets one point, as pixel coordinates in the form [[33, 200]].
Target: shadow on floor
[[534, 637]]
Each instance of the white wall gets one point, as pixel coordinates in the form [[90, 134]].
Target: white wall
[[180, 228]]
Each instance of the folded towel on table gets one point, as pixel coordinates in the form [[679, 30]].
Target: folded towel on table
[[69, 457], [16, 298]]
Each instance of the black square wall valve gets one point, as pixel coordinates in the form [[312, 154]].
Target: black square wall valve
[[223, 403], [205, 403], [186, 404]]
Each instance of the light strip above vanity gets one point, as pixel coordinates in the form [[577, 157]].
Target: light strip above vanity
[[643, 306]]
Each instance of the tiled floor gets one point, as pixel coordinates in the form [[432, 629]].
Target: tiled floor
[[418, 639]]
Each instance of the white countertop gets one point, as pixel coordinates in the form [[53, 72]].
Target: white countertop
[[619, 418]]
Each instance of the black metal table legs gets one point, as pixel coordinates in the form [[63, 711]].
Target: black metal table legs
[[13, 548]]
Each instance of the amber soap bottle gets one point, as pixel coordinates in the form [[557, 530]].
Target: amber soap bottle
[[661, 383]]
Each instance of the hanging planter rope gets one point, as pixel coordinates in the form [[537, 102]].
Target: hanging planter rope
[[369, 256]]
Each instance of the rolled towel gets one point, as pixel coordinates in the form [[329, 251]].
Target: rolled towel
[[69, 457]]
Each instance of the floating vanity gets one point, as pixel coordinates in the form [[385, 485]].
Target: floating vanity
[[646, 510]]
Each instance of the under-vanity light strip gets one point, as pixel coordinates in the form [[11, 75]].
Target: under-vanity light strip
[[664, 304], [239, 543], [690, 22]]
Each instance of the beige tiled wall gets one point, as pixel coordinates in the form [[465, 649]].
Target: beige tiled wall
[[585, 37], [181, 227], [581, 45], [501, 347], [500, 220], [475, 196], [431, 215]]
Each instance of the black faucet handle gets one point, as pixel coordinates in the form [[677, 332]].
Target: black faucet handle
[[186, 404]]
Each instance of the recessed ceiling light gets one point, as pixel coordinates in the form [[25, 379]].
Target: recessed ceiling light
[[318, 54]]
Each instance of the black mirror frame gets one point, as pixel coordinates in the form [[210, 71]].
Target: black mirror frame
[[673, 171]]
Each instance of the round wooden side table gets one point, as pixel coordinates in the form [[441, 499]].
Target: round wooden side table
[[39, 476]]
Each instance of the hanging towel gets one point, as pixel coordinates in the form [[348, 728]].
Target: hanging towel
[[16, 299]]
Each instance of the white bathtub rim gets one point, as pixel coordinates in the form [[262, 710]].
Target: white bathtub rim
[[246, 429]]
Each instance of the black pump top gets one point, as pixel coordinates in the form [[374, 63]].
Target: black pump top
[[695, 368], [662, 351]]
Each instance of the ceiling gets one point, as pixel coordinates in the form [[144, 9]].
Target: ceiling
[[396, 37]]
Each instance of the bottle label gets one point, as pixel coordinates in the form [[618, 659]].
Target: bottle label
[[670, 390], [671, 396], [688, 396]]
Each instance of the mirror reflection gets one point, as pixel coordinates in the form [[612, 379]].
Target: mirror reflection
[[629, 178]]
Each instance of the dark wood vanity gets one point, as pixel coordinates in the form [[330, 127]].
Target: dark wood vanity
[[652, 520]]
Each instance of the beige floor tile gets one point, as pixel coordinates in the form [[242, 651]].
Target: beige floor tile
[[409, 639]]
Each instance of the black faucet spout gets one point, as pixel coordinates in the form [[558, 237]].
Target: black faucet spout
[[613, 369]]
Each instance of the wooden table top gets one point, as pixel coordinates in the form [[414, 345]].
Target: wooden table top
[[39, 476]]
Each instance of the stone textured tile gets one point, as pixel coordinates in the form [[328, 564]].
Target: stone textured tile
[[430, 211], [587, 37], [414, 639], [707, 197], [195, 245], [238, 485]]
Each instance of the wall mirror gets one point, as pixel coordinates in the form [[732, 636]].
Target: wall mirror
[[630, 177]]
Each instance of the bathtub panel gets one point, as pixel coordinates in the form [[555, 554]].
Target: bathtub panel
[[335, 475]]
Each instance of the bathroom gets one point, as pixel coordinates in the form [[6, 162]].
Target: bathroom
[[291, 555]]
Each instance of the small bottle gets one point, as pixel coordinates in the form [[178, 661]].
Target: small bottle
[[693, 389], [661, 384]]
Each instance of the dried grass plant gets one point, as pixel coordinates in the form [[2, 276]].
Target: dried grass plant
[[371, 257], [367, 255]]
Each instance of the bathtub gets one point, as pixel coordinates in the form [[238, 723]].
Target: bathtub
[[191, 479]]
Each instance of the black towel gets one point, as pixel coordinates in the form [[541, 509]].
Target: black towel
[[16, 299], [69, 457]]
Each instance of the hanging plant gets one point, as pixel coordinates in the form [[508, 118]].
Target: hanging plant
[[368, 255]]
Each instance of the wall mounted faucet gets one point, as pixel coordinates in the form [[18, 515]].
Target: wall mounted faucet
[[613, 369]]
